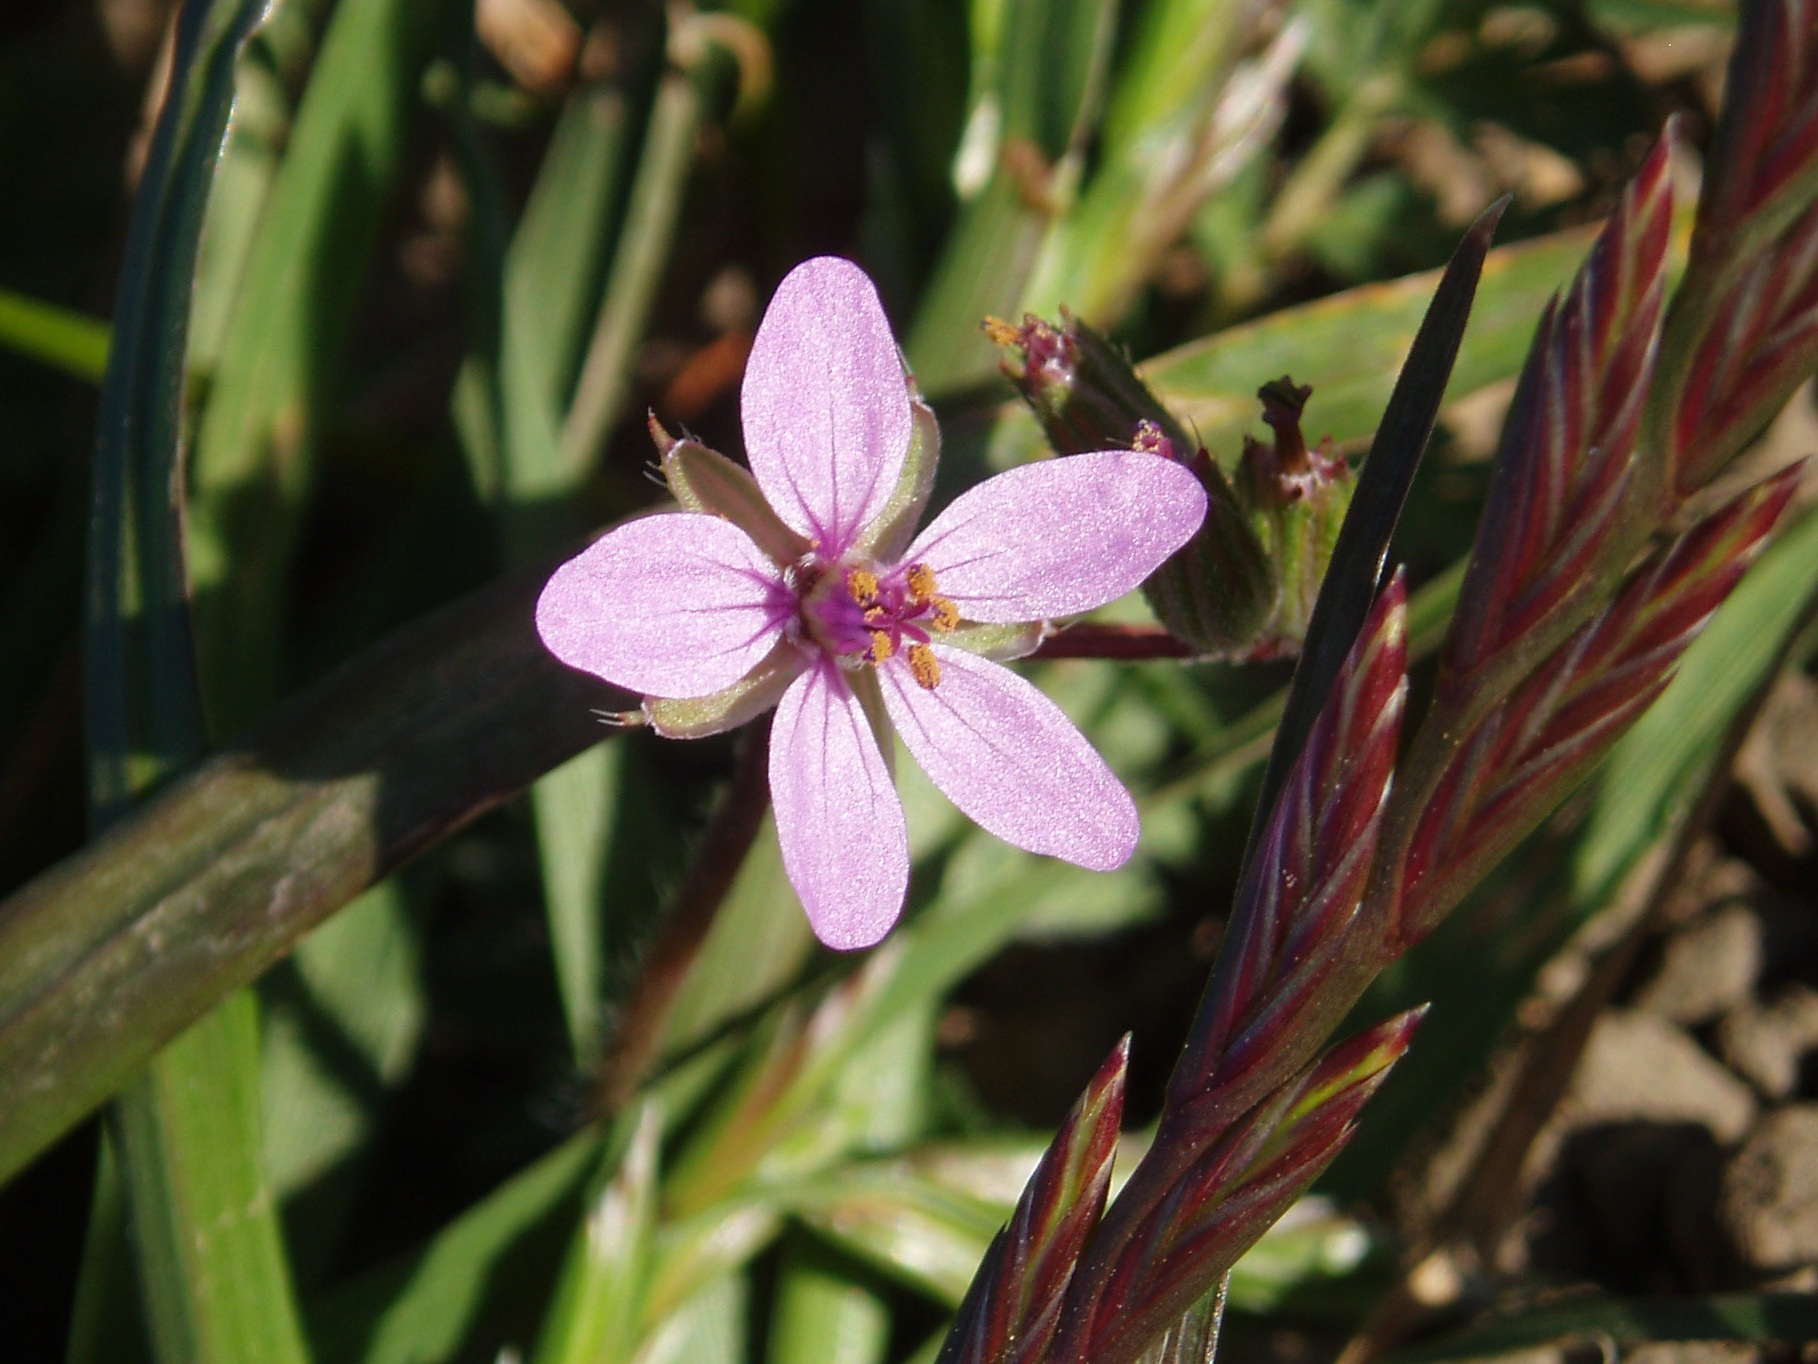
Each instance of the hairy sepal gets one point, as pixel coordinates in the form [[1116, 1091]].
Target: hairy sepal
[[704, 480], [753, 694]]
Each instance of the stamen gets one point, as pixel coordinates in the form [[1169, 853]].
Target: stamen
[[861, 584], [881, 647], [946, 614], [925, 666], [876, 615], [921, 583], [1000, 332]]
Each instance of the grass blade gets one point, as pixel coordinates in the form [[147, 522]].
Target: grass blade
[[220, 875], [66, 340], [210, 1251]]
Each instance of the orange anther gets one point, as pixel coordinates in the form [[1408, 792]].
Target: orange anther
[[921, 583], [861, 583], [925, 666], [881, 647]]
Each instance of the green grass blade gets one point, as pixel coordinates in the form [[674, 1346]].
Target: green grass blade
[[1152, 169], [343, 1020], [106, 1325], [205, 1227], [1038, 77], [709, 1328], [684, 101], [594, 1313], [825, 1314], [279, 353], [220, 875], [557, 254], [295, 234], [63, 339], [209, 1250], [574, 808], [425, 1307]]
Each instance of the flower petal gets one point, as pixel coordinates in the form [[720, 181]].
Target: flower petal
[[845, 842], [1060, 536], [825, 403], [675, 604], [1006, 755]]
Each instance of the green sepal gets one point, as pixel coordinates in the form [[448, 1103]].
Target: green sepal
[[999, 643], [1296, 499], [753, 694], [1219, 590], [1299, 537], [889, 534], [704, 480], [1081, 388], [870, 693]]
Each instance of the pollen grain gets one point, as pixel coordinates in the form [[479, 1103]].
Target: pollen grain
[[925, 666], [920, 581], [861, 583]]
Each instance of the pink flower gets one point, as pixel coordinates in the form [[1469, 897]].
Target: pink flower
[[805, 592]]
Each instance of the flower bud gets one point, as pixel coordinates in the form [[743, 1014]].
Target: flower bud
[[1086, 395], [1296, 499], [1217, 592]]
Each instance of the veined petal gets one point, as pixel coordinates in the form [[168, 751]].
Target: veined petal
[[825, 403], [675, 604], [1060, 536], [1013, 763], [845, 842]]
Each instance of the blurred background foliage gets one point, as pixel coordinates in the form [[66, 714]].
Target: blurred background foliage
[[452, 253]]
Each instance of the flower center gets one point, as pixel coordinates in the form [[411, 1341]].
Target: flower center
[[865, 616]]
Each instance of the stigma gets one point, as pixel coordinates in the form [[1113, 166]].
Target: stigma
[[865, 616]]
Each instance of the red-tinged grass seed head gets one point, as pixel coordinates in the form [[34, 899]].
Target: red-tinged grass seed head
[[1767, 135], [1527, 752], [1235, 1188], [1561, 490], [1300, 893], [1014, 1304]]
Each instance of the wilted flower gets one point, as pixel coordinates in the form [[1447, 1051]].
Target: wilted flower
[[801, 589]]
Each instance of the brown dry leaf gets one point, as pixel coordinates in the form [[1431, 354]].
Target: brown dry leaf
[[535, 40], [1778, 765]]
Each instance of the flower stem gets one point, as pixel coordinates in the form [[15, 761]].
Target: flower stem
[[1114, 641], [683, 101], [730, 833]]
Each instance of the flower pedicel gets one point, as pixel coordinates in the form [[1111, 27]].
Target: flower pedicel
[[796, 585]]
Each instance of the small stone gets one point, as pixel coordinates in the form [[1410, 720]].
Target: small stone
[[1638, 1067], [1707, 968], [1641, 1184], [1768, 1045], [1693, 1352], [1769, 1203]]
